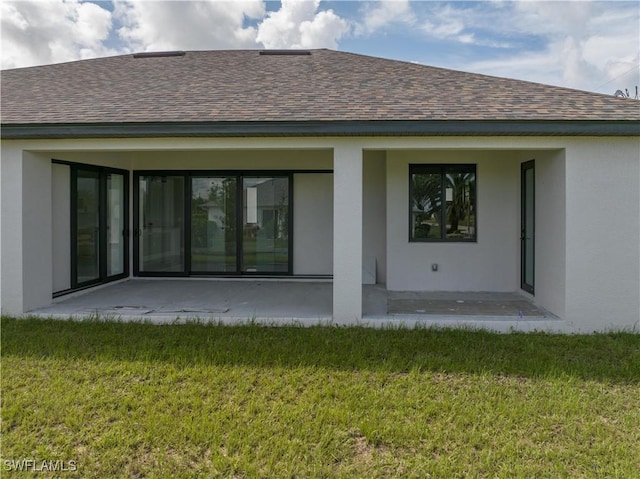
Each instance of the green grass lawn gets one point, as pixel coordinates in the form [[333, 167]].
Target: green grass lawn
[[194, 400]]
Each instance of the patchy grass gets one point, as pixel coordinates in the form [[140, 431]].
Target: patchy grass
[[195, 400]]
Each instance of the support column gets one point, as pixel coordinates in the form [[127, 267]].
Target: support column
[[25, 269], [11, 230], [37, 230], [347, 233]]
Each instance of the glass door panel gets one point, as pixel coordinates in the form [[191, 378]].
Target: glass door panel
[[115, 224], [98, 224], [161, 219], [87, 232], [213, 225], [265, 235], [527, 238]]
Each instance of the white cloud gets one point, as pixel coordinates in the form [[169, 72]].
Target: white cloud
[[148, 26], [570, 17], [580, 44], [298, 24], [324, 30], [585, 45], [377, 15], [445, 22], [468, 24], [36, 33]]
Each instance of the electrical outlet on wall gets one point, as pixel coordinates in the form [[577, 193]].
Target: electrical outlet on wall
[[434, 267]]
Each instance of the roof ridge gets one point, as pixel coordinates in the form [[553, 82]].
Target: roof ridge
[[158, 54]]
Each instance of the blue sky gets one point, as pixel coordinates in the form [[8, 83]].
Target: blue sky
[[580, 44]]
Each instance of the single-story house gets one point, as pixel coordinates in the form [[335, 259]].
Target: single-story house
[[319, 164]]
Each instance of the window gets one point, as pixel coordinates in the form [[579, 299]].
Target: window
[[442, 203], [213, 222], [99, 219]]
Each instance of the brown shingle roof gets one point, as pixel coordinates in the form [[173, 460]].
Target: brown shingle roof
[[245, 86]]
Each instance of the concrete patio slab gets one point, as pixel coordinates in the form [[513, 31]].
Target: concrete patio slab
[[294, 301], [464, 304], [187, 297]]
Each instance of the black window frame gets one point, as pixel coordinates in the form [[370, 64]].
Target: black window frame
[[102, 172], [188, 175], [524, 167], [443, 169]]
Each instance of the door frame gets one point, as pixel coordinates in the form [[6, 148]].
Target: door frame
[[240, 221], [188, 174], [103, 172], [137, 231], [524, 227]]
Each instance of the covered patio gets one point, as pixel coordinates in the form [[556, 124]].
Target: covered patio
[[305, 302], [372, 172]]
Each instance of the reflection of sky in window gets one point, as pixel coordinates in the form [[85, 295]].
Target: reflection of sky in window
[[200, 187], [256, 181]]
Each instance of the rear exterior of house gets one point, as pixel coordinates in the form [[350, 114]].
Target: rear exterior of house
[[319, 164]]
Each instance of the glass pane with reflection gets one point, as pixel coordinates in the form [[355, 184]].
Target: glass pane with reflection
[[426, 204], [161, 240], [460, 192], [265, 235], [115, 224], [213, 224], [88, 226]]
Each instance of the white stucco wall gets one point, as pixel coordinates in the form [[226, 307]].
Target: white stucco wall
[[226, 159], [26, 238], [61, 226], [491, 264], [276, 159], [374, 214], [312, 223], [36, 230], [11, 218], [347, 227], [119, 160], [550, 226], [592, 273], [603, 233]]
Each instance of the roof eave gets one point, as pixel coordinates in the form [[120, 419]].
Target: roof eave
[[322, 128]]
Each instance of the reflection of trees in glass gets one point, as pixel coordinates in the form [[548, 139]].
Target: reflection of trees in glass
[[283, 214], [426, 198], [198, 222], [229, 193], [220, 197], [443, 201], [459, 205]]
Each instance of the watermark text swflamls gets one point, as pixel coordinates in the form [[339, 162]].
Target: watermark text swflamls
[[34, 465]]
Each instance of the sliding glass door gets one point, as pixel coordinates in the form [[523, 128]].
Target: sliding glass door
[[265, 233], [116, 224], [214, 246], [161, 232], [99, 250], [527, 219], [199, 223], [87, 230]]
